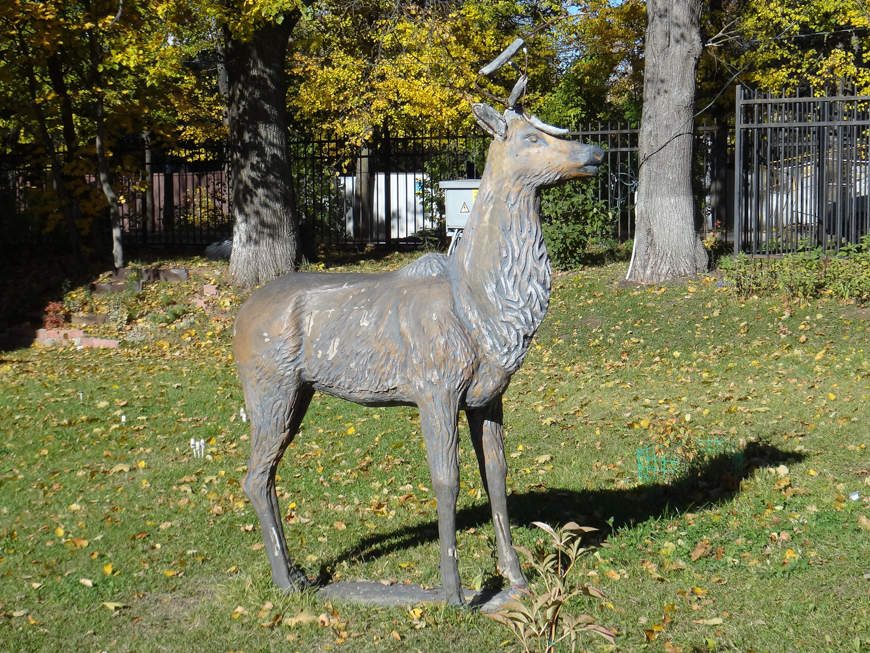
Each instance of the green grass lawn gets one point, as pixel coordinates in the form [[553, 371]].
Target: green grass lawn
[[113, 537]]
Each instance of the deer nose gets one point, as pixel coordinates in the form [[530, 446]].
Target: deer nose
[[597, 155]]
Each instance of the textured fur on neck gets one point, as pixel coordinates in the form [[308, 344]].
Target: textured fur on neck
[[504, 273]]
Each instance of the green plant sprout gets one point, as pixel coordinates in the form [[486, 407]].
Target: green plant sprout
[[537, 619]]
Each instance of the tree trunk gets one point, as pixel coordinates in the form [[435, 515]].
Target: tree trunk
[[149, 218], [364, 195], [67, 181], [108, 191], [56, 165], [666, 244], [265, 234]]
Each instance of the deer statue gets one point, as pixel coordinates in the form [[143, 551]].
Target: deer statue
[[444, 334]]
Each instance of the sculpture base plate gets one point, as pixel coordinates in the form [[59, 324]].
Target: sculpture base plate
[[409, 594]]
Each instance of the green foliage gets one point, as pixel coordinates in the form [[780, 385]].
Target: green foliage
[[820, 42], [362, 65], [599, 64], [804, 275], [574, 219]]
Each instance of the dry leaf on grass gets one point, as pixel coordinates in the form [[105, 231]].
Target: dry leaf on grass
[[304, 617], [715, 621], [701, 550]]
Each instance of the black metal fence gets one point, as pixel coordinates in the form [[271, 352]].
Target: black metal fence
[[385, 192], [616, 182], [179, 197], [802, 177]]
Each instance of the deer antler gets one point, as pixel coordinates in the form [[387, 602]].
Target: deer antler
[[502, 59], [547, 129], [497, 63], [519, 90]]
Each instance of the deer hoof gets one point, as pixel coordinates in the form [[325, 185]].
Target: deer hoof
[[456, 599], [296, 581]]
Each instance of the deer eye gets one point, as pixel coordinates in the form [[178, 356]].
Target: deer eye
[[532, 138]]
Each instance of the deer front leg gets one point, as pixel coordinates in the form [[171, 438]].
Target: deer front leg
[[276, 413], [438, 417], [487, 435]]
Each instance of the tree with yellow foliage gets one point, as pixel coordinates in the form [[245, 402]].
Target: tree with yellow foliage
[[79, 76]]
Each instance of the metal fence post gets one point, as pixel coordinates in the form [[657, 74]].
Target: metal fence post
[[738, 171]]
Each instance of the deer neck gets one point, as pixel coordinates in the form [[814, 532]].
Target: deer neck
[[502, 270]]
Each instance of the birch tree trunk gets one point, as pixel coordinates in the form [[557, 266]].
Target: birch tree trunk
[[666, 243], [265, 233], [108, 191]]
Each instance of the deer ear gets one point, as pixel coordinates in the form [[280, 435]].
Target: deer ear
[[491, 120]]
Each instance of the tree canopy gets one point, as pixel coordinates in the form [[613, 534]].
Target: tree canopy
[[84, 77]]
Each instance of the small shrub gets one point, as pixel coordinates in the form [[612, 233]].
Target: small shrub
[[55, 316], [537, 620], [171, 315], [573, 220]]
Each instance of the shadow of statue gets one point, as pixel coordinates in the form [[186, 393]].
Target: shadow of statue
[[713, 482]]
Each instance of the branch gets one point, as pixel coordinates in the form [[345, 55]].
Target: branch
[[118, 15], [723, 36]]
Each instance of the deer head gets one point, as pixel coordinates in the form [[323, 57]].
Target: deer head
[[531, 153]]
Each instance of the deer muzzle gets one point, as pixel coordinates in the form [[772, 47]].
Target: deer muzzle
[[587, 158]]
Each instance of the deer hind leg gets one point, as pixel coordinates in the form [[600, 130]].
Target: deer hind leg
[[486, 426], [438, 422], [277, 409]]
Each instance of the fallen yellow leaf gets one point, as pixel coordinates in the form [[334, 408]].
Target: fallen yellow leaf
[[304, 617]]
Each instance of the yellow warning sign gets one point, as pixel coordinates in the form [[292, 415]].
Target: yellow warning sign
[[464, 208]]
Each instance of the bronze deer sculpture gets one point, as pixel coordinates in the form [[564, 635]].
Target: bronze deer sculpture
[[443, 334]]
